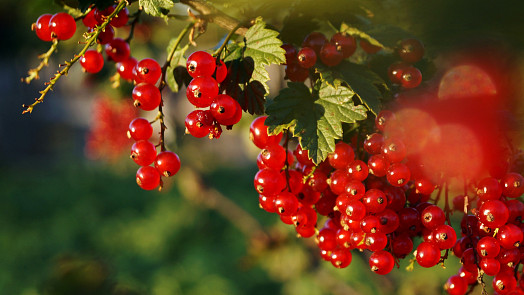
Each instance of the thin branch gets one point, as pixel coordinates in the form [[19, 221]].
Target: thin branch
[[133, 24], [218, 52], [33, 73], [211, 14], [163, 84], [69, 64]]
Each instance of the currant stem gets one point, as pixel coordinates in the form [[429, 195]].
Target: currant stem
[[33, 73], [133, 24], [160, 116], [218, 52], [68, 64]]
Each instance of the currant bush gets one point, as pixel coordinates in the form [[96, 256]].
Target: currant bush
[[355, 162]]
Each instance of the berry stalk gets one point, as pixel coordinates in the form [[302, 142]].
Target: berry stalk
[[29, 108]]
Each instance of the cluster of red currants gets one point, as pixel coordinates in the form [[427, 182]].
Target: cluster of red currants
[[116, 49], [60, 26], [203, 92], [492, 236], [403, 72], [144, 153], [317, 46], [381, 202]]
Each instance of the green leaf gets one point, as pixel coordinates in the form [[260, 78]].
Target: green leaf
[[157, 7], [263, 46], [378, 34], [364, 82], [178, 60], [316, 121]]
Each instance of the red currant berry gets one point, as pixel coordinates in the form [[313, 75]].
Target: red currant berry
[[345, 43], [167, 163], [146, 96], [490, 266], [143, 152], [341, 258], [106, 36], [296, 73], [269, 182], [424, 186], [358, 170], [221, 72], [117, 50], [148, 178], [503, 283], [101, 15], [291, 53], [488, 247], [445, 236], [224, 107], [201, 91], [432, 216], [147, 71], [389, 221], [267, 203], [383, 118], [233, 120], [375, 241], [140, 129], [355, 210], [89, 20], [200, 63], [510, 236], [314, 40], [92, 61], [301, 155], [378, 165], [329, 55], [199, 123], [62, 26], [489, 189], [368, 47], [338, 181], [306, 57], [258, 134], [456, 285], [356, 189], [374, 200], [395, 71], [411, 77], [381, 262], [125, 68], [274, 156], [398, 174], [410, 50], [493, 213], [286, 203], [401, 245], [342, 156], [373, 143], [512, 185], [120, 19], [394, 150], [42, 29], [428, 254]]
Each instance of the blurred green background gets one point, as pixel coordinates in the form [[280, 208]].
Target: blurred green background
[[70, 225]]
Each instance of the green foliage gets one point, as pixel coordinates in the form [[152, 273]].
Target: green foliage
[[316, 119], [178, 60], [263, 46], [246, 63], [157, 7]]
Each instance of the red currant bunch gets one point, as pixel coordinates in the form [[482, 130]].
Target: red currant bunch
[[203, 92]]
